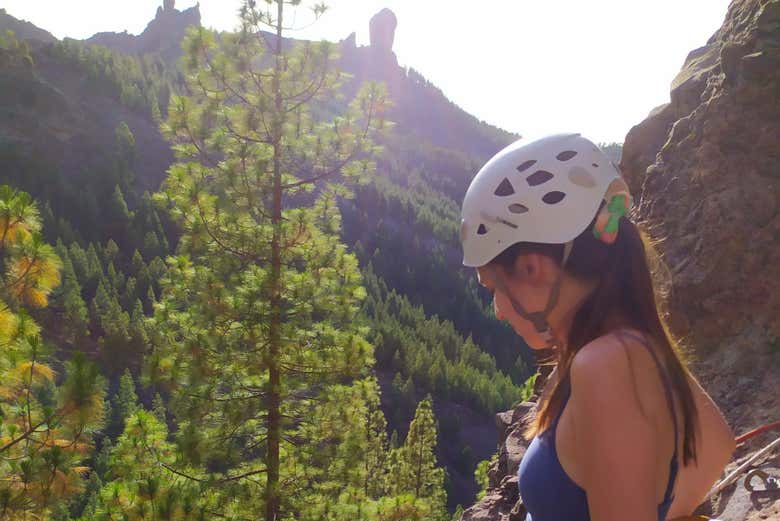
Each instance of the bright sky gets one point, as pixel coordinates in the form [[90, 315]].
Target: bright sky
[[529, 66]]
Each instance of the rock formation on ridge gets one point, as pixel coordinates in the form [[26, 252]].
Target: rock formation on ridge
[[163, 34], [382, 30]]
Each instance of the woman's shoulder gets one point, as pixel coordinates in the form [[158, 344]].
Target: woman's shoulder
[[603, 358], [612, 351], [620, 366]]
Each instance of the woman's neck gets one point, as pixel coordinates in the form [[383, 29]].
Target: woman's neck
[[573, 294]]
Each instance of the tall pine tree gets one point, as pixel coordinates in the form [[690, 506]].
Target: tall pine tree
[[418, 472], [256, 323]]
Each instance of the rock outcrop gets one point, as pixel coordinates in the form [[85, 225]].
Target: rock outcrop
[[416, 103], [382, 30], [705, 167], [502, 498], [163, 34]]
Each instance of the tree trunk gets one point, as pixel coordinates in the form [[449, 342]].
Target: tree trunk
[[273, 499]]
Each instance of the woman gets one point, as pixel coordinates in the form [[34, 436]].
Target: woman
[[623, 430]]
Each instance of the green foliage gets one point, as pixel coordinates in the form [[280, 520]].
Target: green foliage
[[46, 422], [255, 325], [141, 83], [126, 399], [429, 355], [527, 391], [481, 475], [214, 362], [614, 151], [448, 290], [140, 487], [458, 513], [14, 52], [418, 471], [355, 473]]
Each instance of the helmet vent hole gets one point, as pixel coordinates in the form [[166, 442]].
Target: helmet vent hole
[[525, 166], [505, 188], [566, 155], [553, 197], [539, 177], [581, 177], [595, 165], [518, 208], [482, 230]]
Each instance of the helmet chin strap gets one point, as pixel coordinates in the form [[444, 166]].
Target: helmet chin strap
[[539, 318]]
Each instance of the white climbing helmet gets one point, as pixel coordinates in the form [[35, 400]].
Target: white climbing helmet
[[546, 190]]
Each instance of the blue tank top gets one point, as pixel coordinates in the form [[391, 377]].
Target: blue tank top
[[549, 494]]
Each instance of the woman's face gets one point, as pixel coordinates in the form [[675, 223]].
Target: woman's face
[[527, 290]]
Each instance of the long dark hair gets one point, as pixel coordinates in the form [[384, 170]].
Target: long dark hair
[[624, 287]]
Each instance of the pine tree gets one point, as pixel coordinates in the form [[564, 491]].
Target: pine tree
[[151, 246], [126, 399], [257, 317], [151, 299], [101, 304], [137, 262], [114, 280], [80, 263], [118, 211], [94, 266], [159, 409], [76, 316], [45, 429], [111, 250], [418, 470], [130, 294]]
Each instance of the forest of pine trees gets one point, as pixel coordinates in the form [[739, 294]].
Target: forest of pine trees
[[214, 350]]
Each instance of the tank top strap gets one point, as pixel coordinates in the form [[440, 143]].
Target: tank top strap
[[557, 418], [674, 465]]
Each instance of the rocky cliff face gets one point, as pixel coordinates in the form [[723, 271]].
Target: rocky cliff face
[[382, 30], [502, 500], [705, 168], [163, 34]]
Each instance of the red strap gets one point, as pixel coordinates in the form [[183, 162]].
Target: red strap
[[757, 431]]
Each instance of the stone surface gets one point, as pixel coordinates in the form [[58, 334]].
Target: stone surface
[[499, 504], [502, 499], [706, 172], [382, 30], [350, 42], [739, 504], [163, 34]]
